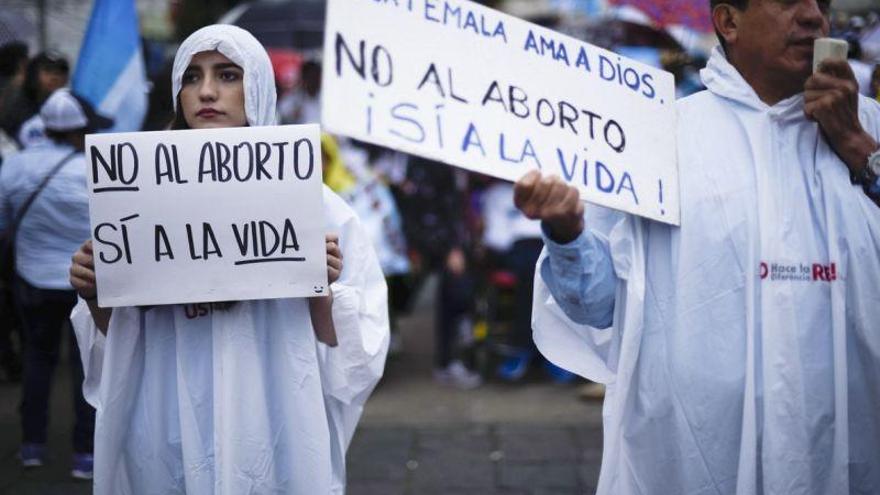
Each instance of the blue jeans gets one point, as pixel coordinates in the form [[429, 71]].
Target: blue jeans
[[45, 317]]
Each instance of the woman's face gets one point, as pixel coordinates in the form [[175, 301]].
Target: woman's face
[[212, 92], [50, 80]]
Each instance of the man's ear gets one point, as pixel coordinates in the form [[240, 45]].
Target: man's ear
[[726, 20]]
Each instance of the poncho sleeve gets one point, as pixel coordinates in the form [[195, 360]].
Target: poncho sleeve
[[561, 316], [360, 313], [91, 348], [351, 370]]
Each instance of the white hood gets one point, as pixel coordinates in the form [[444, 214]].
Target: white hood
[[244, 50]]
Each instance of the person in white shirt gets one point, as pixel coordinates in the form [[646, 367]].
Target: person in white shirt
[[44, 201]]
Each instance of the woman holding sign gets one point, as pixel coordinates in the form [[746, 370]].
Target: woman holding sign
[[241, 397]]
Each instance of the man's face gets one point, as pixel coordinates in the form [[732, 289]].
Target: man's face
[[775, 38]]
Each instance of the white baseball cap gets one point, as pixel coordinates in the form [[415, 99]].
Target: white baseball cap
[[66, 111]]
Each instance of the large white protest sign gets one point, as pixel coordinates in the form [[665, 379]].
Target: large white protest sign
[[207, 215], [464, 84]]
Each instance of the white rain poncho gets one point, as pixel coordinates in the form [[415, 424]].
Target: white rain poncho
[[202, 399], [744, 356]]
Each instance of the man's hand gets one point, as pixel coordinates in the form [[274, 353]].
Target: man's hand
[[549, 199], [334, 258], [831, 98], [82, 278]]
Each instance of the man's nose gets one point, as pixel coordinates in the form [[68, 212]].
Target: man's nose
[[811, 14]]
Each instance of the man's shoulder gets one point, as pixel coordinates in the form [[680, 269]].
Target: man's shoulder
[[700, 111], [39, 156], [694, 99]]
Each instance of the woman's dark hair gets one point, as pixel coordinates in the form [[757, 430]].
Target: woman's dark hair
[[178, 122], [12, 55], [50, 61]]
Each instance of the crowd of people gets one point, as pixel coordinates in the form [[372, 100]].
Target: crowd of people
[[427, 218], [398, 220], [422, 218]]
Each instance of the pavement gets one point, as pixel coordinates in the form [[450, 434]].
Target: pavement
[[415, 437]]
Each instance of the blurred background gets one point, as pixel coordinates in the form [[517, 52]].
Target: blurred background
[[467, 404], [671, 32]]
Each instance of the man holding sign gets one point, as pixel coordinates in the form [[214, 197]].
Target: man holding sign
[[740, 351], [214, 396]]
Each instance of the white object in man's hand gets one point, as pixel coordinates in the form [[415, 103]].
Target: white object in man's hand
[[828, 49]]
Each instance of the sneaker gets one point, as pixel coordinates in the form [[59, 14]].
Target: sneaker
[[32, 454], [82, 466], [457, 375], [515, 367]]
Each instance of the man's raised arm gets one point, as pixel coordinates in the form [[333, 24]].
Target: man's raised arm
[[578, 268]]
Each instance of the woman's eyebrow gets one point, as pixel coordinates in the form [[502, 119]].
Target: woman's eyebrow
[[226, 65]]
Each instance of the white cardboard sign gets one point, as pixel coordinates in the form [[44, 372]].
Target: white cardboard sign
[[460, 83], [207, 215]]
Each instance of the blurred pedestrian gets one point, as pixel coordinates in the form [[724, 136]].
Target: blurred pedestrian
[[302, 105], [861, 69], [349, 172], [13, 66], [45, 204], [45, 73], [740, 350], [13, 62], [434, 204], [514, 244], [257, 396]]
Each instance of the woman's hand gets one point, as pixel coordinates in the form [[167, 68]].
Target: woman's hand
[[334, 258], [82, 272], [321, 308], [82, 278]]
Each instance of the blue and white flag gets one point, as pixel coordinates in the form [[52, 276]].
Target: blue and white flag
[[110, 70]]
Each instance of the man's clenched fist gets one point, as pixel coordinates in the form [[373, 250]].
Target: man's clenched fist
[[549, 199]]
